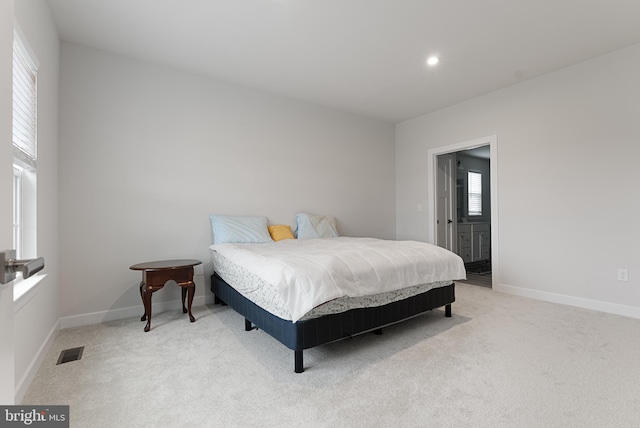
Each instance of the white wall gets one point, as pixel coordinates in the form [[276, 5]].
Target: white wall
[[147, 153], [568, 198], [36, 321]]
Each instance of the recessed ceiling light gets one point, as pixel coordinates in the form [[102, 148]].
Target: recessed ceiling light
[[433, 60]]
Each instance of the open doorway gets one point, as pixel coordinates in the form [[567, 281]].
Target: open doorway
[[464, 198]]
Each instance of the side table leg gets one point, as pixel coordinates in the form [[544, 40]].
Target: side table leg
[[147, 293], [184, 295], [144, 316], [192, 290]]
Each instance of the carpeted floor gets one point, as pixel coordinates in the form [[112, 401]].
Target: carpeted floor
[[500, 361]]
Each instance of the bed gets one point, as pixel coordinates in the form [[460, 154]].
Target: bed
[[309, 292]]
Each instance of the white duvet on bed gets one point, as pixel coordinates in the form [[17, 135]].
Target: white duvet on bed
[[307, 273]]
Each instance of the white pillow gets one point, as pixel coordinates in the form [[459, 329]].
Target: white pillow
[[239, 229], [309, 226]]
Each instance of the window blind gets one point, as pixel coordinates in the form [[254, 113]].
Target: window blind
[[24, 105], [475, 193]]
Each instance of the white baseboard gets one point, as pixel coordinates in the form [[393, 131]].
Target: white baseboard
[[130, 312], [596, 305], [32, 370]]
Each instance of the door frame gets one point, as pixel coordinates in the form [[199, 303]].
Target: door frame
[[7, 330], [432, 171]]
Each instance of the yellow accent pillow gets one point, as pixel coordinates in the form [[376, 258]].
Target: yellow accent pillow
[[280, 231]]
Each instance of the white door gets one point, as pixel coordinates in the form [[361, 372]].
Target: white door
[[7, 363], [446, 201]]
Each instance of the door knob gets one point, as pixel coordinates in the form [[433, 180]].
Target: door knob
[[449, 221], [10, 265]]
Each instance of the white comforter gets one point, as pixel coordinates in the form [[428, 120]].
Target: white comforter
[[309, 272]]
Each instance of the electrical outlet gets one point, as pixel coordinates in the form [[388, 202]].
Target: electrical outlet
[[198, 270], [623, 275]]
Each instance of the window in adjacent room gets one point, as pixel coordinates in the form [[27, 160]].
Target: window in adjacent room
[[475, 193], [24, 148]]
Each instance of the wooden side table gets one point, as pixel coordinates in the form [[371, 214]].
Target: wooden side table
[[156, 274]]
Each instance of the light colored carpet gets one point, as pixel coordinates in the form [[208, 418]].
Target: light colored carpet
[[500, 361]]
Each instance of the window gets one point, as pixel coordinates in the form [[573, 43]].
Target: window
[[24, 148], [474, 192], [17, 209]]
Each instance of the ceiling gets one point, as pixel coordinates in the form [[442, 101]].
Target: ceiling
[[482, 152], [361, 56]]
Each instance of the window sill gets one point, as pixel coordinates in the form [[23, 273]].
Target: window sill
[[24, 290]]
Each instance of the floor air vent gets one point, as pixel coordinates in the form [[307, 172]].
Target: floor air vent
[[72, 354]]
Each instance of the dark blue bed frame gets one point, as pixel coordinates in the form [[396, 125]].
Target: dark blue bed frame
[[305, 334]]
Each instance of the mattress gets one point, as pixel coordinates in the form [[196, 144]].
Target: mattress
[[247, 276]]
